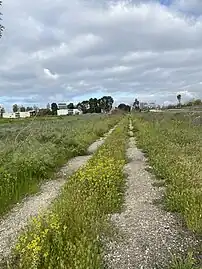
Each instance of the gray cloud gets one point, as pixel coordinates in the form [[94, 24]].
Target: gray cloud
[[66, 50]]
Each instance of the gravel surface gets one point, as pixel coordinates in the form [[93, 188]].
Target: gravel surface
[[17, 219], [93, 147], [147, 235]]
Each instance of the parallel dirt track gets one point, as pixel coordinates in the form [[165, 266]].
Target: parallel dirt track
[[147, 234], [18, 218]]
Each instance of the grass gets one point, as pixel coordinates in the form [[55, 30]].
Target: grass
[[31, 151], [173, 146], [70, 235], [188, 262]]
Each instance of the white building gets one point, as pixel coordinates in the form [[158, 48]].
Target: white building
[[65, 112], [8, 115], [62, 106], [17, 115], [25, 114]]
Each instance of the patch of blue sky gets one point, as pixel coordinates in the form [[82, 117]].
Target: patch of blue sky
[[166, 2]]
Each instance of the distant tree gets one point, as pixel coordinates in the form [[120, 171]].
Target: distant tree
[[29, 108], [179, 97], [1, 26], [124, 107], [170, 106], [190, 103], [15, 108], [54, 108], [22, 109], [83, 106], [70, 106], [197, 102], [44, 112], [105, 103], [136, 105], [2, 111], [94, 105]]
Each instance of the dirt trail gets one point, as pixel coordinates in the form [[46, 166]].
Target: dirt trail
[[17, 219], [147, 235]]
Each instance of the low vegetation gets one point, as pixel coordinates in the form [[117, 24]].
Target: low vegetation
[[173, 145], [70, 235], [32, 150]]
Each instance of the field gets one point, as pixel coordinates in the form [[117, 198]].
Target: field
[[173, 144], [71, 234], [31, 150]]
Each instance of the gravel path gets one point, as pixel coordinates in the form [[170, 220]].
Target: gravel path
[[17, 219], [147, 235]]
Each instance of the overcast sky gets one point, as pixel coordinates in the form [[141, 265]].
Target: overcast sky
[[70, 50]]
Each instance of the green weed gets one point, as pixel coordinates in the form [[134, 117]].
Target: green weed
[[70, 236], [31, 151]]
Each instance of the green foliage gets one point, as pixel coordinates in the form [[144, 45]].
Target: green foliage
[[70, 236], [94, 105], [15, 108], [174, 147], [54, 108], [32, 150], [187, 263]]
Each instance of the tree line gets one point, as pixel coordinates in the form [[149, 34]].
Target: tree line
[[93, 105]]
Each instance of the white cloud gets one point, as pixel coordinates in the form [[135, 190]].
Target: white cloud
[[50, 75], [68, 49]]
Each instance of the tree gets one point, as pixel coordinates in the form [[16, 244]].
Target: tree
[[124, 107], [83, 106], [136, 105], [197, 102], [15, 108], [93, 105], [2, 111], [179, 97], [106, 103], [54, 108], [44, 112], [1, 26], [22, 109], [29, 108], [70, 106]]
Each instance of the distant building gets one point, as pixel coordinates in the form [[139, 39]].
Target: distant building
[[17, 115], [152, 105], [144, 105], [65, 112], [62, 106], [8, 115]]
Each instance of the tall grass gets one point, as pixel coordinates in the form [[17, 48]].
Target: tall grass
[[70, 236], [32, 150], [174, 148], [173, 145]]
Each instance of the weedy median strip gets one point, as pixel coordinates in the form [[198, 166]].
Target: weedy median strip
[[69, 236]]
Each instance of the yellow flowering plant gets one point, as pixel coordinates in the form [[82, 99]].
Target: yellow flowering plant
[[70, 235]]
